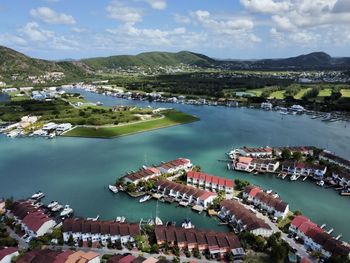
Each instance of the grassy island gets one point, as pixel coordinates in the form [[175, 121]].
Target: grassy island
[[167, 119]]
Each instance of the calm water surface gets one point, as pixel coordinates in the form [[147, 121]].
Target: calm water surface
[[77, 170]]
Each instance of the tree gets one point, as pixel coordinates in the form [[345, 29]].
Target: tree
[[176, 251], [297, 156], [155, 249], [241, 184], [131, 188], [286, 154], [196, 253], [70, 241]]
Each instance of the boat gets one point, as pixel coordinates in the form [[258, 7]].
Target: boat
[[113, 188], [66, 211], [52, 204], [38, 195], [187, 224], [293, 177], [155, 222], [93, 218], [283, 113], [57, 208], [145, 198], [320, 183], [51, 136]]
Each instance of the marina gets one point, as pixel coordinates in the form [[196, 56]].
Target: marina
[[100, 162]]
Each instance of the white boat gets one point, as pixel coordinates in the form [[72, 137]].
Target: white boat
[[293, 177], [52, 204], [158, 221], [113, 188], [56, 208], [320, 183], [283, 112], [145, 198], [187, 224], [66, 211], [38, 195]]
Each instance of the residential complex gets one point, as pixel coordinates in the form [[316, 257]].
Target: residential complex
[[210, 182]]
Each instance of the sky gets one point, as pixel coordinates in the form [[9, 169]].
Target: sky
[[237, 29]]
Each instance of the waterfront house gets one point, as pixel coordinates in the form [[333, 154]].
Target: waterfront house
[[241, 218], [272, 204], [342, 178], [332, 158], [143, 174], [261, 152], [243, 164], [218, 244], [317, 239], [210, 182], [33, 220], [304, 150], [185, 193], [99, 231], [250, 192], [7, 253], [265, 165], [304, 169], [175, 166]]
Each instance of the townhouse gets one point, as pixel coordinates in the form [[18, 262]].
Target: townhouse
[[175, 166], [268, 202], [249, 164], [342, 178], [99, 231], [241, 218], [261, 152], [210, 182], [304, 150], [316, 239], [185, 193], [332, 158], [218, 244], [143, 174], [33, 220], [305, 169]]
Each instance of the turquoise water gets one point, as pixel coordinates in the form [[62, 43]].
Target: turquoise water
[[76, 170]]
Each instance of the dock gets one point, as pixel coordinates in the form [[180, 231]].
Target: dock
[[330, 231], [339, 237], [323, 226], [284, 176], [157, 196], [304, 179], [212, 212], [198, 208]]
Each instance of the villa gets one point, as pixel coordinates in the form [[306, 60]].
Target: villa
[[34, 222], [249, 164], [143, 174], [241, 218], [175, 166], [210, 182], [185, 193], [304, 150], [219, 244], [262, 152]]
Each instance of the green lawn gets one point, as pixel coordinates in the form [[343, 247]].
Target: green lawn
[[325, 93], [301, 93], [279, 94], [171, 118], [345, 93]]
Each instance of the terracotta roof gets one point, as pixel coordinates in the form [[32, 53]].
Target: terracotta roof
[[175, 163], [211, 179], [252, 190], [298, 220], [7, 251], [142, 173]]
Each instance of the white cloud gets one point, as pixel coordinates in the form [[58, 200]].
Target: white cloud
[[8, 39], [157, 4], [50, 16], [119, 11], [180, 19], [266, 6], [33, 32], [78, 29]]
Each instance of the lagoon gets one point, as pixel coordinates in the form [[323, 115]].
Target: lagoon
[[77, 170]]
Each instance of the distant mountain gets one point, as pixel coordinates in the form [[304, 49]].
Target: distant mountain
[[13, 62], [316, 60], [150, 59]]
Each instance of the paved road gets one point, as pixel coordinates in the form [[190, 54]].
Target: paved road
[[21, 243]]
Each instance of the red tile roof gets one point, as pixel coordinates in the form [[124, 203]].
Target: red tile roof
[[298, 220], [7, 251], [211, 179]]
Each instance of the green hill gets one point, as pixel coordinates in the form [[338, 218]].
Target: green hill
[[150, 59], [13, 62]]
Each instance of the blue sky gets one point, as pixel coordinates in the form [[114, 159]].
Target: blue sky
[[59, 29]]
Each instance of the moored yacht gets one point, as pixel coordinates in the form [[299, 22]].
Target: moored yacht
[[38, 195], [187, 224], [52, 204], [293, 177], [57, 208], [145, 198], [66, 211], [113, 188]]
